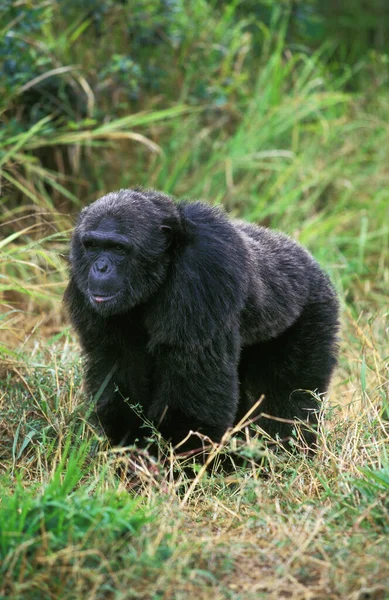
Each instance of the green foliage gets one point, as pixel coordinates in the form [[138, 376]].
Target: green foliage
[[123, 71], [21, 60], [73, 520], [375, 483], [368, 502], [63, 513]]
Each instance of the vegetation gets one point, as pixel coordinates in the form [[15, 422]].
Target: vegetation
[[279, 112]]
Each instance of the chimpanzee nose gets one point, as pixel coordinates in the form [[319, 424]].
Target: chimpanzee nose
[[101, 265]]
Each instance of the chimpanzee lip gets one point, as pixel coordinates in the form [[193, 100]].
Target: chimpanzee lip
[[99, 298]]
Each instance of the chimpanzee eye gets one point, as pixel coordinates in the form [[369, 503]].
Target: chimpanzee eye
[[119, 249], [90, 245]]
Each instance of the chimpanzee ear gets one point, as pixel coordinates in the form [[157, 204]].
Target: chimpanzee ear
[[173, 231], [168, 234]]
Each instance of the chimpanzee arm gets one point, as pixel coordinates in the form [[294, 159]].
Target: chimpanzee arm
[[196, 389]]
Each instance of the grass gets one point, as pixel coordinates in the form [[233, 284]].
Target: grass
[[278, 139]]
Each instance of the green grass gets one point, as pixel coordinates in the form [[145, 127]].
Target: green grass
[[278, 138]]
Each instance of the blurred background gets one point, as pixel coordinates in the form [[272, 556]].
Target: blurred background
[[276, 109]]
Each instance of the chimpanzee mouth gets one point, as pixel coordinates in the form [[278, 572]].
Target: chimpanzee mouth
[[101, 298]]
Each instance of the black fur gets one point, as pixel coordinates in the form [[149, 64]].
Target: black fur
[[196, 317]]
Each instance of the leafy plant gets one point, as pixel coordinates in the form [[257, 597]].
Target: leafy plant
[[63, 513]]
